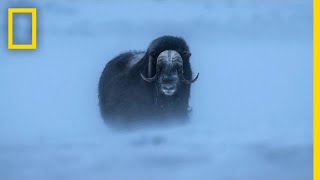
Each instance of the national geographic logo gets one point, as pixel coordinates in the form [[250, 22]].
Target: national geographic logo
[[33, 12]]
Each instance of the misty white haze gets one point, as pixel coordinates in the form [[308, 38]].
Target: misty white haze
[[252, 103]]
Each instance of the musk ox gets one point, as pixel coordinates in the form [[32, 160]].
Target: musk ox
[[148, 85]]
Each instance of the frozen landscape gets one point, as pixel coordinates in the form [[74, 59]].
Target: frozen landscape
[[252, 105]]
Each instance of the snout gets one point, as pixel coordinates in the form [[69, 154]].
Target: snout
[[169, 89]]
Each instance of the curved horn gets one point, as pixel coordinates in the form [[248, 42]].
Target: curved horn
[[148, 79], [184, 80], [190, 81], [152, 79]]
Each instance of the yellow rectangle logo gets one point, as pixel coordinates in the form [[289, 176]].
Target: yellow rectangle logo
[[33, 12]]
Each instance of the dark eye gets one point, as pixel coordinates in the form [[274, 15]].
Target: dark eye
[[177, 65], [162, 64], [174, 71]]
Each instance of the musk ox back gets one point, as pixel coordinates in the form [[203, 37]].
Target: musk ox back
[[151, 85]]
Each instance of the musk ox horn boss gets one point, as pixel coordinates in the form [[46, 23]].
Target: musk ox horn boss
[[148, 85]]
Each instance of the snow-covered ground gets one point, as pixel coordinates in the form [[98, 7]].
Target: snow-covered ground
[[252, 104]]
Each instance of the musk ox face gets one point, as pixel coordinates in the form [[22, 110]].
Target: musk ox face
[[169, 73], [169, 63]]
